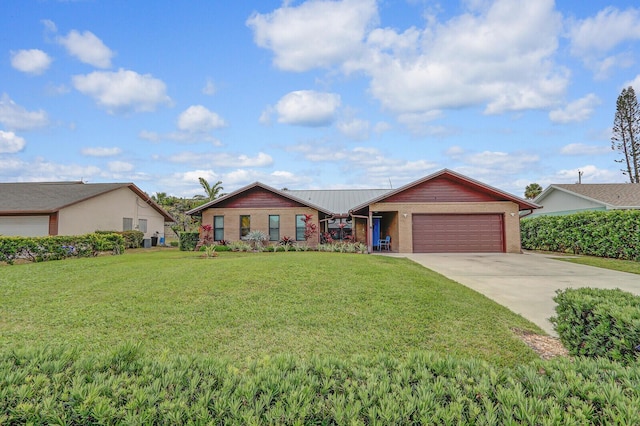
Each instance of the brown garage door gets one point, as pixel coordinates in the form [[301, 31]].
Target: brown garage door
[[458, 233]]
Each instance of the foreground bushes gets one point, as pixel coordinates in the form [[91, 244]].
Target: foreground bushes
[[60, 387], [38, 249], [614, 234], [599, 323]]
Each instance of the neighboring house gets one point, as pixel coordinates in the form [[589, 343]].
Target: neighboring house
[[561, 199], [76, 208], [443, 212]]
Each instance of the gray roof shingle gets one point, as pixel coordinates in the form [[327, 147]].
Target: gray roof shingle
[[614, 194], [49, 197]]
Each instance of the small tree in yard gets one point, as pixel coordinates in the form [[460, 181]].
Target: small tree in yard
[[626, 133], [310, 228]]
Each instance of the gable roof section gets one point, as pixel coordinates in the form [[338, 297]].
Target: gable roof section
[[485, 191], [50, 197], [611, 195], [254, 187]]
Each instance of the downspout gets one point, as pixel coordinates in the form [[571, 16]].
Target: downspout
[[369, 220]]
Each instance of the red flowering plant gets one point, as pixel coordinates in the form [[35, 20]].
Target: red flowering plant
[[206, 236], [310, 228]]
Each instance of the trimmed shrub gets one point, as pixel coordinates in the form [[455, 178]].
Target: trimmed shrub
[[132, 239], [39, 249], [599, 323], [188, 240], [126, 387], [614, 234]]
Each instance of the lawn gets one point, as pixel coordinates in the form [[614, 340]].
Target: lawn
[[601, 262], [242, 306]]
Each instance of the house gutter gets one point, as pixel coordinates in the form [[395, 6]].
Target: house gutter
[[526, 214]]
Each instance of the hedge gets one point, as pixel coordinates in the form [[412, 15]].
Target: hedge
[[38, 249], [599, 323], [189, 240], [57, 386], [614, 234], [132, 239]]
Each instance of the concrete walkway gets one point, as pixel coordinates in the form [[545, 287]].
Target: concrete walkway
[[524, 283]]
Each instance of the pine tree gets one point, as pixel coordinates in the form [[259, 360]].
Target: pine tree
[[626, 133]]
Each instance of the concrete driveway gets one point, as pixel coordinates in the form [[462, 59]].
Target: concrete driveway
[[525, 283]]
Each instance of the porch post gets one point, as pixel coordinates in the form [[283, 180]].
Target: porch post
[[370, 232]]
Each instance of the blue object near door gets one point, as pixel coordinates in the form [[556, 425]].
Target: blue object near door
[[376, 233]]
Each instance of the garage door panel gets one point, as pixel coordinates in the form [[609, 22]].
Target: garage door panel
[[458, 233]]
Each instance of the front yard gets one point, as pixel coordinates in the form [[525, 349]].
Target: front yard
[[243, 306]]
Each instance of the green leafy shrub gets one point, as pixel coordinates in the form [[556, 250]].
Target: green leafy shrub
[[239, 246], [189, 240], [39, 249], [614, 234], [599, 323], [59, 386], [133, 239], [220, 248]]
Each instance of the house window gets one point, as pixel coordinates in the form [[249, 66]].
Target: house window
[[245, 226], [274, 228], [127, 223], [142, 225], [300, 225], [218, 228]]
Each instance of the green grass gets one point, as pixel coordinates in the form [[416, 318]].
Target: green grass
[[242, 306], [601, 262]]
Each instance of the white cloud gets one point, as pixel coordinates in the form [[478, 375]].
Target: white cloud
[[197, 118], [583, 149], [32, 61], [182, 137], [590, 174], [123, 90], [576, 111], [381, 127], [594, 39], [42, 170], [602, 33], [101, 151], [221, 159], [316, 33], [308, 108], [10, 143], [87, 48], [635, 83], [355, 129], [500, 56], [15, 117], [120, 166], [375, 166], [209, 88]]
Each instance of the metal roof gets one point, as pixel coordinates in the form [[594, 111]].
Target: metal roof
[[612, 194], [49, 197], [338, 201]]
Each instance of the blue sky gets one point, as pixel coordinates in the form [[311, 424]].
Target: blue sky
[[313, 94]]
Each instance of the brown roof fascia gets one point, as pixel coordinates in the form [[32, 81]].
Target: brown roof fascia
[[522, 204], [251, 186]]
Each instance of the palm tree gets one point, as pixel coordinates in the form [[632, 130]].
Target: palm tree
[[532, 191], [211, 191]]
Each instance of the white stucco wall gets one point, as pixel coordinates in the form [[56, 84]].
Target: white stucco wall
[[106, 212], [562, 202]]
